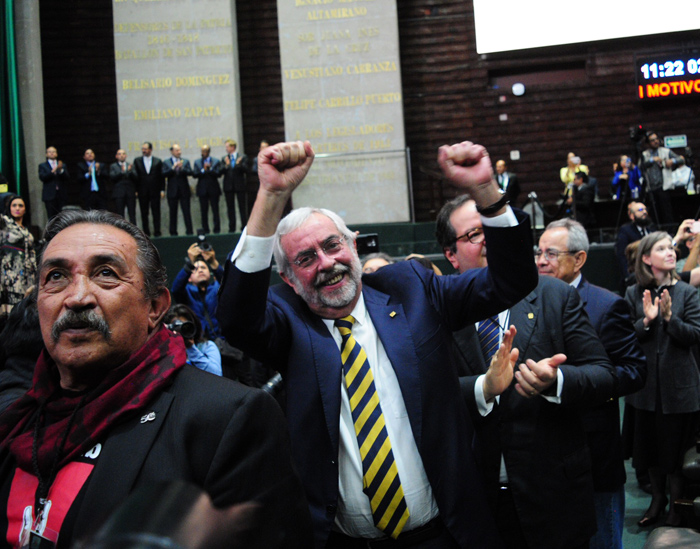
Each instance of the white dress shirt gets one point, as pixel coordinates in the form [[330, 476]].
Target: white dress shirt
[[354, 516]]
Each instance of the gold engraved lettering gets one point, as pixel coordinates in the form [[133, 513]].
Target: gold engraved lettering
[[202, 112], [339, 13], [369, 68], [155, 40], [368, 32], [336, 35], [147, 27], [198, 81], [211, 141], [307, 72], [215, 50], [300, 105], [136, 54], [381, 98], [144, 84], [157, 114]]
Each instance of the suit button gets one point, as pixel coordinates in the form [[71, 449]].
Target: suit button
[[330, 510]]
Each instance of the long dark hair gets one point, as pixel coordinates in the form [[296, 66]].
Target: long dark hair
[[9, 199]]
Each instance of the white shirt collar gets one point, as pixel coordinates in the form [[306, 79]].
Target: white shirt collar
[[359, 313]]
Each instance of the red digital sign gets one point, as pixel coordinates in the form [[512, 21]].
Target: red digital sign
[[669, 89]]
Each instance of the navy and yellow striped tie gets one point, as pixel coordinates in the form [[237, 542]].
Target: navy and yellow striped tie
[[489, 333], [380, 475]]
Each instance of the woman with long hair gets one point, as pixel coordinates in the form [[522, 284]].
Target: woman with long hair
[[18, 262], [666, 313]]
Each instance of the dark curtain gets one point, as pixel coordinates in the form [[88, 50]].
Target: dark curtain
[[12, 157]]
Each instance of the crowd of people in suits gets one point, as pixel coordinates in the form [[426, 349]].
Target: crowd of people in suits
[[431, 411], [116, 186]]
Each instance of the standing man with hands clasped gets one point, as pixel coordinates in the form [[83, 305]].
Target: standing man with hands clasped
[[380, 433], [55, 177], [533, 448], [207, 171], [176, 171], [123, 179]]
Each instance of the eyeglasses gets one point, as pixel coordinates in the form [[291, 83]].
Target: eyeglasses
[[640, 210], [331, 247], [550, 255], [474, 236]]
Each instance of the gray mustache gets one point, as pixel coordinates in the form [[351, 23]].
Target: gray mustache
[[322, 277], [84, 319]]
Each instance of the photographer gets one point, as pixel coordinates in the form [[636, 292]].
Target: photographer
[[195, 286], [201, 352], [658, 164]]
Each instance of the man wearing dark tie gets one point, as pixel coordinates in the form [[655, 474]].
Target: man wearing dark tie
[[54, 176], [150, 186], [532, 442], [176, 171], [123, 179], [207, 171], [92, 178], [235, 169]]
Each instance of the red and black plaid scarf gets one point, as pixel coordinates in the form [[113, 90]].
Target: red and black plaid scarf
[[123, 393]]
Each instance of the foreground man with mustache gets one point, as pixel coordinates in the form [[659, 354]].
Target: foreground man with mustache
[[114, 407], [379, 431]]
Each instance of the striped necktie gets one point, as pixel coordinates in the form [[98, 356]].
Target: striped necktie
[[380, 475], [489, 332]]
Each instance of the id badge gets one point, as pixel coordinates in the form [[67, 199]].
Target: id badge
[[34, 534]]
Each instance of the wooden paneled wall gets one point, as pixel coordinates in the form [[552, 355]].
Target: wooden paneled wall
[[578, 98]]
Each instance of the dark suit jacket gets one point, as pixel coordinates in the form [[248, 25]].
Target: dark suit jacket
[[584, 199], [122, 182], [178, 184], [235, 174], [85, 182], [149, 183], [627, 234], [207, 182], [544, 444], [414, 312], [673, 371], [53, 182], [219, 435], [610, 316], [513, 188]]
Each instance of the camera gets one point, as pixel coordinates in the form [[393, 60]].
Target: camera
[[202, 241], [184, 328], [637, 133]]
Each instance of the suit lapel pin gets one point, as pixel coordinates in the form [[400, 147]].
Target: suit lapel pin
[[530, 316], [150, 416], [392, 314]]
